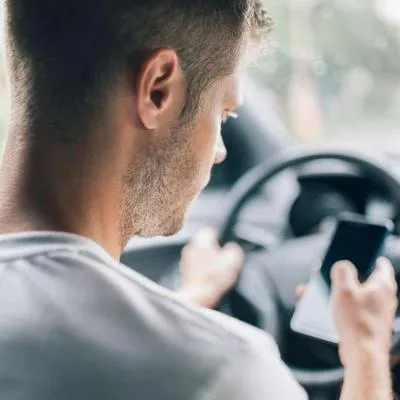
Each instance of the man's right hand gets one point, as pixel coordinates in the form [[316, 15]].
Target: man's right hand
[[364, 313]]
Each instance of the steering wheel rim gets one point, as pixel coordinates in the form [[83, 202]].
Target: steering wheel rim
[[259, 176], [250, 183]]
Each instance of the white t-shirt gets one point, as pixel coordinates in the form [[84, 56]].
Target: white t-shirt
[[76, 325]]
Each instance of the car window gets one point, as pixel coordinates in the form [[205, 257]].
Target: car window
[[333, 69]]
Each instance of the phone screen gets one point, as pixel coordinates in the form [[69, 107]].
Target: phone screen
[[358, 242]]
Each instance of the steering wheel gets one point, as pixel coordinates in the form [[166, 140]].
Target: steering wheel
[[266, 289], [310, 248]]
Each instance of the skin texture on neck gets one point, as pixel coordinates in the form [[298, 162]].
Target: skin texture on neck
[[72, 188]]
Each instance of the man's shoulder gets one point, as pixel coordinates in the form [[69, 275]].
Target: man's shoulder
[[97, 312], [89, 276], [197, 345], [230, 331], [207, 333], [242, 361]]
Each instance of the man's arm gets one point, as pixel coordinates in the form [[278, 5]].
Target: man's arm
[[367, 376], [364, 315]]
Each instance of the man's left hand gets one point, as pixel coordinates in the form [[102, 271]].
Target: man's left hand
[[209, 271]]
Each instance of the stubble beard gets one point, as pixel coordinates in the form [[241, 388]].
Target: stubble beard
[[159, 188]]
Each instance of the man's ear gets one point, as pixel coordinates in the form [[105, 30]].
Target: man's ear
[[159, 88]]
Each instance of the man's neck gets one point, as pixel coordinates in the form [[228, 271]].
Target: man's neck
[[50, 187]]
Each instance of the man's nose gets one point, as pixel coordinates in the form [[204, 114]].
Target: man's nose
[[221, 152]]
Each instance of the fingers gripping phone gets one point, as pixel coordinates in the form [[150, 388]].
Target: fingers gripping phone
[[355, 239]]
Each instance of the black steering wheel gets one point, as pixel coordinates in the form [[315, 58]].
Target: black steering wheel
[[308, 248], [265, 294]]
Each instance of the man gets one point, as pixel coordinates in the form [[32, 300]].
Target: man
[[116, 108]]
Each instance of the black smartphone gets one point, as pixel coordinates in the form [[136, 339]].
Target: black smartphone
[[355, 239]]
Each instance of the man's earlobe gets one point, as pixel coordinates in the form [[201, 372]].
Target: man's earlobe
[[148, 114], [155, 84]]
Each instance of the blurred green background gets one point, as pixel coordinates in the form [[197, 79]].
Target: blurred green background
[[332, 72]]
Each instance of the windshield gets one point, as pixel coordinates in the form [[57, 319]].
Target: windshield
[[334, 68]]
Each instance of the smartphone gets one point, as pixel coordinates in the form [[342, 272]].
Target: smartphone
[[355, 239]]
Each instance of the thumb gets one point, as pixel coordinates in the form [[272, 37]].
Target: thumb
[[205, 238], [383, 274], [344, 278], [233, 255]]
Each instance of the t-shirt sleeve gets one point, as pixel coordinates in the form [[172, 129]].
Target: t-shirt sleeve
[[254, 375]]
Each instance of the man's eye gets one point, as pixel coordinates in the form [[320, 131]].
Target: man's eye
[[229, 114]]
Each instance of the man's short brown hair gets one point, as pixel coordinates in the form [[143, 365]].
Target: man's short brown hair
[[64, 56]]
